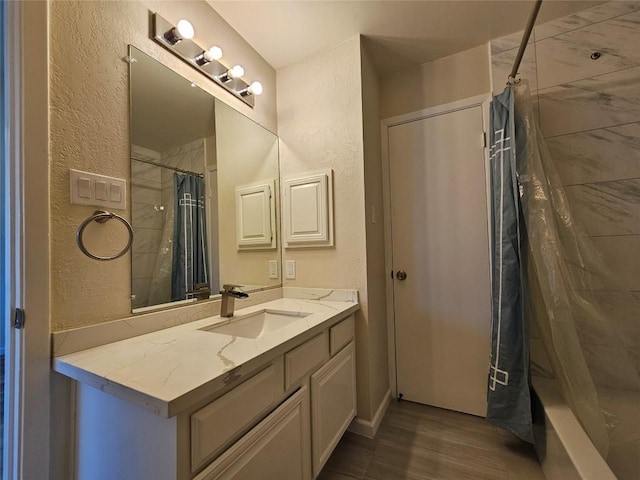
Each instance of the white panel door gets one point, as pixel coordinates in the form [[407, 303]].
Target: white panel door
[[440, 240]]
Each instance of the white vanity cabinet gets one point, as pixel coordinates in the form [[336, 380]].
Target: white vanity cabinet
[[280, 419]]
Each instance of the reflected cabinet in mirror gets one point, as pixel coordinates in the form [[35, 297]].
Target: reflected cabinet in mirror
[[204, 192]]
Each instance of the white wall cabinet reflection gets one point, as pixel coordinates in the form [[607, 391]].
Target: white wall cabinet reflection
[[255, 217]]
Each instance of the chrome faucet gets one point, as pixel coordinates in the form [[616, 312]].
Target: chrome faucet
[[229, 293]]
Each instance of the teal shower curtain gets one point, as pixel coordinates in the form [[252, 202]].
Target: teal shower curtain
[[189, 268], [545, 270], [509, 397]]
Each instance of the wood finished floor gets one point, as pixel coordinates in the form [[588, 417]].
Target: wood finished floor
[[418, 442]]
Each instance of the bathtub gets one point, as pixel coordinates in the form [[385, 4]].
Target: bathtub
[[563, 447]]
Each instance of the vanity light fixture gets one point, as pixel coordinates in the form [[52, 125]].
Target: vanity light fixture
[[178, 40], [183, 30]]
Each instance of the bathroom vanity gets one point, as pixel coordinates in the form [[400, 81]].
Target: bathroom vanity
[[266, 394]]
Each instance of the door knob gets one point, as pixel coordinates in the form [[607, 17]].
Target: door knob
[[401, 275]]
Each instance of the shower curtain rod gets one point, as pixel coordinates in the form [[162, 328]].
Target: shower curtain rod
[[175, 169], [525, 40]]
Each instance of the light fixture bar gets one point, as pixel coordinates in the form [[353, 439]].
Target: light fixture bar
[[192, 53]]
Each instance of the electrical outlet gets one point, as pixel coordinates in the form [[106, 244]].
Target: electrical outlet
[[291, 269], [273, 269]]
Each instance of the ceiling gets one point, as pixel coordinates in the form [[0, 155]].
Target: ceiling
[[399, 34]]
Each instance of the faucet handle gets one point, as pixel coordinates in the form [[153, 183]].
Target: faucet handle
[[228, 287]]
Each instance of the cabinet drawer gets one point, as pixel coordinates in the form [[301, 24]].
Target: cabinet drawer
[[341, 334], [305, 358], [276, 449], [215, 425]]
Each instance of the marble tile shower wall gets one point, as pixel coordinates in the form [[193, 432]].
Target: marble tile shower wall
[[589, 113], [147, 221], [188, 157], [152, 215]]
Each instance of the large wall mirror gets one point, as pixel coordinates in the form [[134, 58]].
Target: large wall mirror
[[204, 192]]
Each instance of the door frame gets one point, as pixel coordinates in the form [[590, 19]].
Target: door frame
[[482, 101], [26, 47]]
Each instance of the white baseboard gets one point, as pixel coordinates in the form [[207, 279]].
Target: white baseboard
[[369, 428]]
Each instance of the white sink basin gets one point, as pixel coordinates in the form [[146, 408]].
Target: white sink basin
[[257, 324]]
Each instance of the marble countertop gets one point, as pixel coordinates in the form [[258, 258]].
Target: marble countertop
[[167, 371]]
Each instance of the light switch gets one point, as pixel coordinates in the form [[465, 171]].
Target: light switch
[[84, 187], [93, 189], [101, 190], [273, 269], [291, 269], [116, 192]]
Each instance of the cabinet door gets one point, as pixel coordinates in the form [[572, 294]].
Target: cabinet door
[[277, 448], [333, 404]]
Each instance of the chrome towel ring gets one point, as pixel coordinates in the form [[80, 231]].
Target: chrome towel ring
[[102, 216]]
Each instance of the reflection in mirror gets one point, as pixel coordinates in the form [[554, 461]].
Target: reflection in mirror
[[189, 154], [246, 159]]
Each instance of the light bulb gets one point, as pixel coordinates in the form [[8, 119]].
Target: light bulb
[[214, 53], [185, 29], [235, 71], [255, 88]]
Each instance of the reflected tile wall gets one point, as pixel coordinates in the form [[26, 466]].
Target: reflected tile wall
[[147, 223], [146, 216], [152, 189], [189, 156]]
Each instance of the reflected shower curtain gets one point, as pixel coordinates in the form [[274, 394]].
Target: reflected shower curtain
[[544, 268], [189, 268]]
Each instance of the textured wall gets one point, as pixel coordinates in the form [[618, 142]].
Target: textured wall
[[320, 126], [445, 80], [589, 115], [89, 111], [374, 220]]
